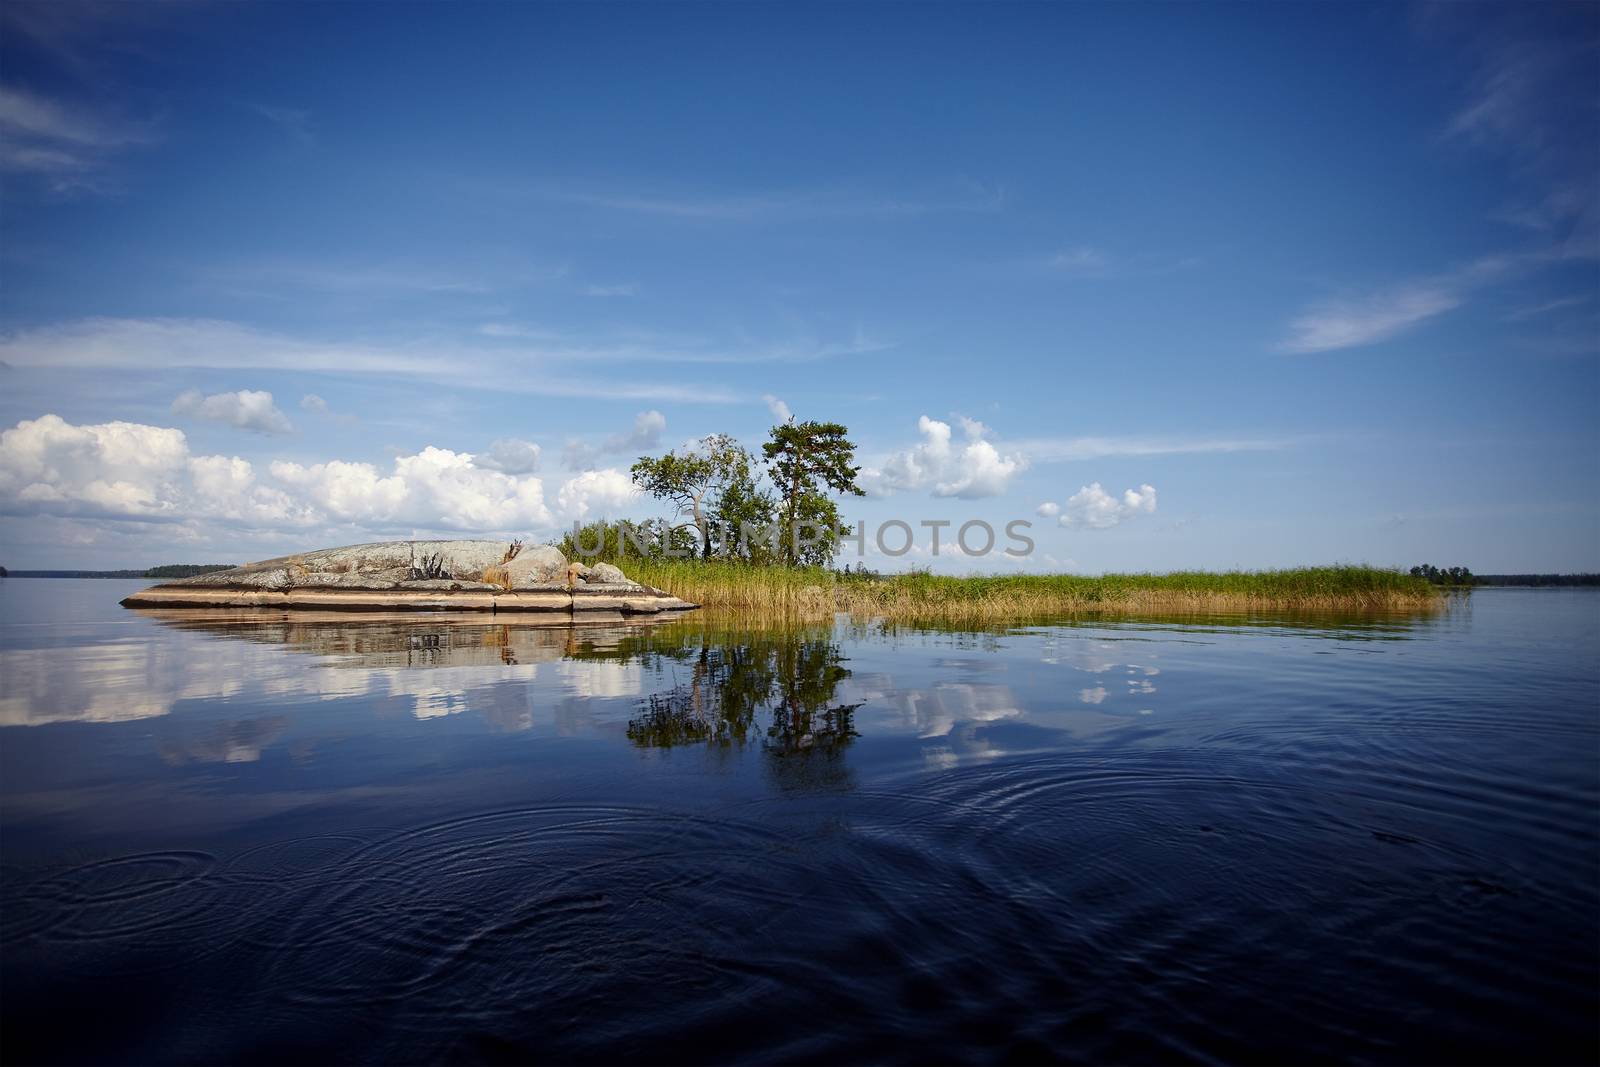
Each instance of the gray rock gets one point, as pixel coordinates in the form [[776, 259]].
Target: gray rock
[[605, 572], [472, 574], [537, 564]]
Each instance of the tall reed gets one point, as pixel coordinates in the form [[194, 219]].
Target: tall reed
[[921, 595]]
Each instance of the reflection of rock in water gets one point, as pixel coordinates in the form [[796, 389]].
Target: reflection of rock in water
[[791, 678], [410, 640]]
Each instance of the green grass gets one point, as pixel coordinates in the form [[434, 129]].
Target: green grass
[[922, 595]]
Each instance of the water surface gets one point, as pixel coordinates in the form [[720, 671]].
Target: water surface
[[398, 839]]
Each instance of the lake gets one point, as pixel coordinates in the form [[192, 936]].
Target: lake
[[401, 839]]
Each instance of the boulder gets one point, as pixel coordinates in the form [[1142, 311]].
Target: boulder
[[605, 572], [462, 575], [536, 565]]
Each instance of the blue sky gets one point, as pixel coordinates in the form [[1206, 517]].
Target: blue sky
[[1235, 285]]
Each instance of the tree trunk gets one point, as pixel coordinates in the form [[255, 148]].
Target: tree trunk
[[700, 524], [794, 513]]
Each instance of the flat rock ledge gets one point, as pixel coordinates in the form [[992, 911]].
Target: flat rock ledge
[[490, 576]]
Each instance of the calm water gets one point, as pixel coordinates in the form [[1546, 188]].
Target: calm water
[[351, 838]]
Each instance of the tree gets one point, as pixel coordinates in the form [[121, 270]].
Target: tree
[[742, 508], [807, 459], [1457, 576], [695, 480]]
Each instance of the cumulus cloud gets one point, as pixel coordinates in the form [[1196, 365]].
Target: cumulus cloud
[[314, 403], [510, 455], [126, 470], [972, 469], [779, 409], [435, 487], [1049, 509], [1095, 509], [247, 409], [595, 492], [129, 471], [648, 427]]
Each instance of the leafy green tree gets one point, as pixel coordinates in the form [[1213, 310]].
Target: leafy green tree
[[743, 512], [694, 480], [604, 541], [807, 460]]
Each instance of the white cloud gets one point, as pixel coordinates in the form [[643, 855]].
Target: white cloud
[[42, 136], [1094, 508], [433, 488], [116, 468], [778, 408], [1365, 321], [646, 434], [246, 409], [314, 403], [510, 455], [1049, 509], [129, 471], [969, 470], [1081, 260], [1068, 449], [1547, 307], [171, 344], [596, 492]]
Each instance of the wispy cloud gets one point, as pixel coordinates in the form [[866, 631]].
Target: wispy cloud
[[1530, 98], [1349, 322], [1072, 449], [1547, 307], [785, 205], [166, 344], [1369, 319], [294, 122], [1080, 260], [653, 348], [628, 289], [68, 146]]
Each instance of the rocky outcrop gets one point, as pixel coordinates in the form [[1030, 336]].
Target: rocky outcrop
[[489, 576]]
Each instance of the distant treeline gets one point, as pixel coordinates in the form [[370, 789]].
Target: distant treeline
[[1460, 577], [1537, 579], [171, 570]]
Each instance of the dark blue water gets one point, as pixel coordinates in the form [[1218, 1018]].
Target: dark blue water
[[335, 838]]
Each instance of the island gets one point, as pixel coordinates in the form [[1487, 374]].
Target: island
[[491, 576]]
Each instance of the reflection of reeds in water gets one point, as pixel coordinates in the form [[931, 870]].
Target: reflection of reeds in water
[[815, 591]]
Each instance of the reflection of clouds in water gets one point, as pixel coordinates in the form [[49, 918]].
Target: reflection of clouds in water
[[124, 681], [1092, 696], [1092, 657], [120, 681], [602, 678], [228, 742], [935, 711], [435, 692]]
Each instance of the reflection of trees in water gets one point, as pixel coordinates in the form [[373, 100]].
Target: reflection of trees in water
[[791, 677]]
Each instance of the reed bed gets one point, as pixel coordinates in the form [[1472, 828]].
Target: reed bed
[[814, 591]]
